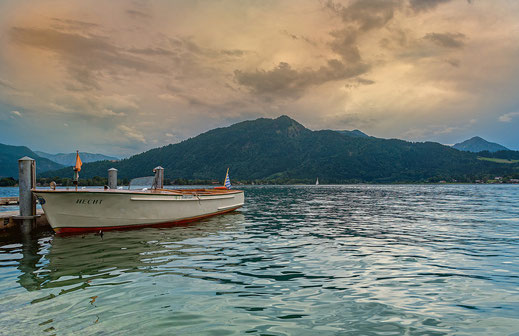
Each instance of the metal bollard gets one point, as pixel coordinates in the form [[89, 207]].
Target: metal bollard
[[158, 182], [112, 178]]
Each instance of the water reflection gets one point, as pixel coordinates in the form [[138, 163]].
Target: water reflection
[[65, 261]]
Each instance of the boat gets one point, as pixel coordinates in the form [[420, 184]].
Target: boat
[[94, 210], [87, 210], [317, 181]]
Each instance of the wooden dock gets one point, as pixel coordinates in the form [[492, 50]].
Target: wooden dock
[[9, 201], [9, 221]]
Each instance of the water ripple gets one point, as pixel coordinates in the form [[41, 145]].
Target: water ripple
[[333, 260]]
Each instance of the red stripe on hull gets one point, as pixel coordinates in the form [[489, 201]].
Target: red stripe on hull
[[72, 230]]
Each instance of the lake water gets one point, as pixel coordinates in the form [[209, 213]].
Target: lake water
[[327, 260]]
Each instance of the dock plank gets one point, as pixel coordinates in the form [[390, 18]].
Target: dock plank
[[9, 200], [8, 222]]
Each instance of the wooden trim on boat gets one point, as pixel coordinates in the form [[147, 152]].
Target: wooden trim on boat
[[199, 192]]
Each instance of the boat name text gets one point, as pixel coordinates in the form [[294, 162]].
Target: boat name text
[[88, 201]]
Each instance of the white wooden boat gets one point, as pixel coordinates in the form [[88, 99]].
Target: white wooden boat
[[70, 211]]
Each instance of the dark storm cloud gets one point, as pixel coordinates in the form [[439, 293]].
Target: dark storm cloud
[[286, 81], [447, 40]]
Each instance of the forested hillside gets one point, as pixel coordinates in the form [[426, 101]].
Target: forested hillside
[[9, 156], [282, 150]]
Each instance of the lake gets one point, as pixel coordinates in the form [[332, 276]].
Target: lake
[[296, 260]]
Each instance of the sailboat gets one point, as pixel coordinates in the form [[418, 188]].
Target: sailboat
[[317, 181]]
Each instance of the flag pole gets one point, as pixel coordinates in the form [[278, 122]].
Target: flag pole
[[76, 170], [76, 178]]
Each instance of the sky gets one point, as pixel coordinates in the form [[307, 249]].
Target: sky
[[121, 77]]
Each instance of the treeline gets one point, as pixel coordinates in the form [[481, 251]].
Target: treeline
[[8, 182], [101, 181], [504, 154]]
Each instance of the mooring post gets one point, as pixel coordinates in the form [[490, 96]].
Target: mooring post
[[27, 201], [112, 178], [159, 177]]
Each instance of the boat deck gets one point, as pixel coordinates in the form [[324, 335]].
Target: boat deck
[[145, 192]]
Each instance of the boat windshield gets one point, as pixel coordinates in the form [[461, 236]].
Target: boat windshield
[[142, 182]]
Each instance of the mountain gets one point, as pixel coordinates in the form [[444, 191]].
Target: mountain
[[282, 150], [69, 159], [477, 144], [9, 156], [355, 133]]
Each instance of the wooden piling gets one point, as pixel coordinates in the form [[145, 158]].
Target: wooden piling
[[26, 199]]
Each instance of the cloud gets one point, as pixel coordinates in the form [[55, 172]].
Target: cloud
[[359, 18], [69, 24], [86, 57], [7, 84], [425, 5], [345, 44], [124, 75], [508, 117], [447, 40], [131, 133], [284, 81], [299, 37], [136, 14], [366, 14], [364, 81], [151, 51]]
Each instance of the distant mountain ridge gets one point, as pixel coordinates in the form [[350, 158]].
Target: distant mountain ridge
[[9, 156], [69, 159], [282, 150], [478, 144], [354, 133]]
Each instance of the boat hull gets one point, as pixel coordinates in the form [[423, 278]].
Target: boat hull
[[83, 211]]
